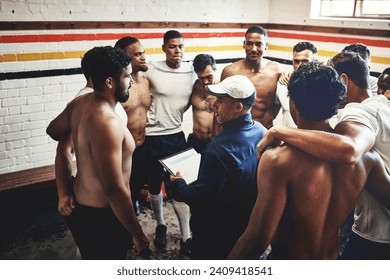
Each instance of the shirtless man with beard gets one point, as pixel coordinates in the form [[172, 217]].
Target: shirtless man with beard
[[103, 222]]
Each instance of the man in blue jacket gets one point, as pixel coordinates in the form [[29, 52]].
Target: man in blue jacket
[[222, 199]]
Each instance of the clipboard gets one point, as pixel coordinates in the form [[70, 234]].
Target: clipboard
[[187, 162]]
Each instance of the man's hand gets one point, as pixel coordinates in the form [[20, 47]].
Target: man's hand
[[284, 78], [141, 245], [173, 187], [268, 141], [66, 204], [177, 176]]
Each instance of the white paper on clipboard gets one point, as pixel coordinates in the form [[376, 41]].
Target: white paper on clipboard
[[186, 162]]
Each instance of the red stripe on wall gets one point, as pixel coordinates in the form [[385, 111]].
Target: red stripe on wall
[[193, 35], [330, 39], [106, 36]]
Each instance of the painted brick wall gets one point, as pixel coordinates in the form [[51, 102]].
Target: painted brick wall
[[135, 10], [28, 105]]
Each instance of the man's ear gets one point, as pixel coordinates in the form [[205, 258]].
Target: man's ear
[[239, 106], [266, 46], [345, 78], [110, 82], [243, 44]]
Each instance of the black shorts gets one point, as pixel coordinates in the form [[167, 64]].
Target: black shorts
[[196, 143], [156, 148], [98, 233]]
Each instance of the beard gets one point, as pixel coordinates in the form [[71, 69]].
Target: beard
[[143, 68], [121, 96]]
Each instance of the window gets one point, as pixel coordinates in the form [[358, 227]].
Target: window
[[378, 9]]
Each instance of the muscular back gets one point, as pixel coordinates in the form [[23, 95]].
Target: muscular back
[[136, 108], [265, 81], [303, 210], [101, 142], [202, 114]]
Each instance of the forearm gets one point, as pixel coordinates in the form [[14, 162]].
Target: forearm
[[63, 167], [63, 173], [122, 206], [244, 249], [323, 145]]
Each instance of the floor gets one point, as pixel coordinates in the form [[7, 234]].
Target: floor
[[32, 229]]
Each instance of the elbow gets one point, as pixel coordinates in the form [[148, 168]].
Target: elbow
[[350, 155]]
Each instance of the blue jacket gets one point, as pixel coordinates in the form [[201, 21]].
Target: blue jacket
[[222, 199]]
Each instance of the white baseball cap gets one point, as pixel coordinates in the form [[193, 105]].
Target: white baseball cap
[[237, 87]]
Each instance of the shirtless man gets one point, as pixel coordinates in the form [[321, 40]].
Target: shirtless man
[[65, 151], [363, 125], [103, 222], [137, 107], [263, 73], [303, 52], [301, 212], [204, 127]]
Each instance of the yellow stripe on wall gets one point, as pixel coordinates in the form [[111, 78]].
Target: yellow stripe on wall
[[200, 49]]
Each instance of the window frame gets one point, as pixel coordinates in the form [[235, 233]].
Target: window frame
[[357, 13]]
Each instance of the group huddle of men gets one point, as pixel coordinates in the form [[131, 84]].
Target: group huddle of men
[[292, 199]]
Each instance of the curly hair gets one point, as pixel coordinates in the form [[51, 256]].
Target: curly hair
[[107, 62], [317, 91]]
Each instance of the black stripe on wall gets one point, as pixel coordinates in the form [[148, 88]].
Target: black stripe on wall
[[74, 71], [39, 74]]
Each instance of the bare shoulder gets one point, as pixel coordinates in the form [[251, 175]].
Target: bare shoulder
[[273, 66], [197, 88], [232, 69], [105, 123], [277, 157]]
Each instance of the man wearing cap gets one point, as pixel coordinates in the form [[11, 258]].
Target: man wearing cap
[[223, 197]]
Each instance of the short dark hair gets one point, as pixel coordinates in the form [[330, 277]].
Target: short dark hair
[[386, 71], [352, 65], [301, 46], [107, 62], [122, 43], [172, 34], [201, 61], [317, 90], [257, 29], [360, 49], [85, 63], [249, 101]]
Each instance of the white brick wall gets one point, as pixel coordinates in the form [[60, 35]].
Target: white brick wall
[[26, 108], [135, 10], [28, 105]]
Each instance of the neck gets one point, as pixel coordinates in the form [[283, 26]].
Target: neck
[[89, 83], [356, 94], [253, 65], [106, 97], [135, 76], [315, 125], [173, 65]]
